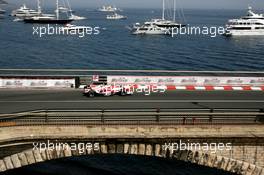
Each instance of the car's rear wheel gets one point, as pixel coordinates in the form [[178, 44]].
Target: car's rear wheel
[[123, 93], [90, 94]]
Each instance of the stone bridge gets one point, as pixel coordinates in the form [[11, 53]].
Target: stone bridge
[[21, 146]]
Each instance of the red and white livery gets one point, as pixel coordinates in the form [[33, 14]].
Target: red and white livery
[[107, 90]]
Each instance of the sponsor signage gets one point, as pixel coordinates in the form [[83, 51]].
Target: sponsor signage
[[186, 80], [19, 83]]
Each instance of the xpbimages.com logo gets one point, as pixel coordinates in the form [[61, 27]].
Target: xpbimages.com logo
[[211, 31], [69, 30], [205, 147], [79, 147]]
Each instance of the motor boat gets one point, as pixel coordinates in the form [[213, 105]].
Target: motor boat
[[251, 24], [46, 19], [18, 19], [75, 17], [108, 9], [115, 16], [24, 11], [148, 28], [71, 27], [158, 26], [2, 11]]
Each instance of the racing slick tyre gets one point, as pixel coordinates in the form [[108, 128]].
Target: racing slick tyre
[[91, 94], [123, 93]]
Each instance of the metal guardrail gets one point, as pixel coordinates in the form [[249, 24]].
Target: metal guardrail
[[135, 117]]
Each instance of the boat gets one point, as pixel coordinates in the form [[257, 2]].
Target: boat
[[251, 24], [108, 8], [69, 10], [18, 19], [64, 10], [24, 11], [2, 11], [148, 28], [70, 27], [165, 23], [163, 26], [75, 17], [115, 16], [48, 19]]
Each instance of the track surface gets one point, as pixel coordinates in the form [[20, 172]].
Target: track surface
[[17, 100]]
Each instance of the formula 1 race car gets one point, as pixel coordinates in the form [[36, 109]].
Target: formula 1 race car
[[107, 90]]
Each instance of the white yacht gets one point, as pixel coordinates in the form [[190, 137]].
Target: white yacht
[[161, 26], [108, 8], [64, 10], [2, 11], [115, 16], [75, 17], [251, 24], [148, 28], [24, 11], [70, 27], [165, 23], [48, 19]]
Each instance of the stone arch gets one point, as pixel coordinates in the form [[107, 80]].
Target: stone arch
[[210, 160]]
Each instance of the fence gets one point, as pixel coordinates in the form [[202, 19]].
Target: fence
[[135, 117]]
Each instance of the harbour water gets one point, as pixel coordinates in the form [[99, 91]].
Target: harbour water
[[116, 48]]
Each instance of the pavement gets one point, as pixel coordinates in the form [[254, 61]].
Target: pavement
[[21, 100]]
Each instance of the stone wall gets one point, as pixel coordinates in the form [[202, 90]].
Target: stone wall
[[247, 142], [148, 149]]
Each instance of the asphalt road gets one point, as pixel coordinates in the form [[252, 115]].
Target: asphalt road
[[17, 100]]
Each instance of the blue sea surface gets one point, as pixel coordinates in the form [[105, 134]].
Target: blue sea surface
[[116, 48]]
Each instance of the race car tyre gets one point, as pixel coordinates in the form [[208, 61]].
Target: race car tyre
[[123, 93], [90, 94]]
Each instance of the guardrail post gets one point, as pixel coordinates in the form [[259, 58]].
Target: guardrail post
[[184, 121], [211, 116], [193, 120], [46, 116], [102, 116], [260, 118], [158, 115]]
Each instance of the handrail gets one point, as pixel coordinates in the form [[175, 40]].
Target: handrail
[[159, 116]]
